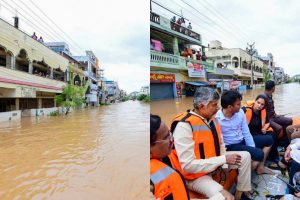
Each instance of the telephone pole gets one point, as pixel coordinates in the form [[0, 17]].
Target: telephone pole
[[251, 51]]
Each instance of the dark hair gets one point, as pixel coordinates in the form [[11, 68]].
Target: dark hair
[[261, 96], [155, 122], [229, 98], [269, 85]]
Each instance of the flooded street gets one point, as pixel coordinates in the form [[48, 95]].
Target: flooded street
[[286, 99], [95, 153]]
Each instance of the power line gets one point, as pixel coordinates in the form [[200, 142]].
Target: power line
[[206, 17], [55, 24], [226, 21], [46, 25], [216, 34]]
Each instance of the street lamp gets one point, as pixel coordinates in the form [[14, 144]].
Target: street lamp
[[251, 51]]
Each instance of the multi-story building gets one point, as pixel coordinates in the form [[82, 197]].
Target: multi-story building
[[113, 91], [237, 60], [91, 68], [174, 66], [279, 75], [145, 90], [31, 74]]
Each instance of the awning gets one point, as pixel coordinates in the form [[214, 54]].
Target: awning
[[198, 83]]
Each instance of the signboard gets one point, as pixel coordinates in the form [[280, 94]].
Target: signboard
[[26, 92], [196, 70], [162, 78], [233, 85]]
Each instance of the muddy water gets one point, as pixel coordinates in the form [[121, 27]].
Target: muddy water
[[286, 97], [99, 153]]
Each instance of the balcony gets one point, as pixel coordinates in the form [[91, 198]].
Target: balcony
[[20, 80], [165, 60], [165, 25]]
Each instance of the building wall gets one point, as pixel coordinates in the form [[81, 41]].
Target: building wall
[[14, 40]]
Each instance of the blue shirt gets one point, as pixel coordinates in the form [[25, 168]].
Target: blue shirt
[[235, 129]]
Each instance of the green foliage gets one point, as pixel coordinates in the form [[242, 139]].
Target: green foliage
[[72, 96], [267, 76], [144, 97], [54, 113], [125, 99], [288, 81], [104, 104]]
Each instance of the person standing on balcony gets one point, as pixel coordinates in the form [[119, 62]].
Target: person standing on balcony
[[41, 39], [178, 24], [183, 26], [34, 36], [189, 29], [204, 57], [198, 55]]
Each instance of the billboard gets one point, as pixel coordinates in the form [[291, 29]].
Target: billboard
[[196, 70]]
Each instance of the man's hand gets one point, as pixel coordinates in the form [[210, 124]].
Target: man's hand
[[233, 159], [264, 131]]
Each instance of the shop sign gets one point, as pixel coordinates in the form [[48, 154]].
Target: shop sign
[[26, 92], [196, 70], [162, 78]]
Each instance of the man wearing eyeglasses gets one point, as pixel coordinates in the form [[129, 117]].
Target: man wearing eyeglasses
[[200, 148]]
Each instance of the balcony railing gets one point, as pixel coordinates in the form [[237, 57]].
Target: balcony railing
[[180, 29], [167, 60], [166, 23]]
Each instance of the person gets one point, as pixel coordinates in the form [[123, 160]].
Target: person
[[173, 19], [41, 39], [292, 156], [198, 55], [189, 29], [259, 127], [34, 36], [235, 131], [204, 57], [182, 26], [200, 148], [293, 131], [277, 122], [178, 24], [165, 181]]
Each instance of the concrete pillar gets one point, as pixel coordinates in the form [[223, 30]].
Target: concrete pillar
[[30, 68], [40, 103], [8, 61], [17, 104], [13, 62], [175, 46], [51, 73], [54, 102]]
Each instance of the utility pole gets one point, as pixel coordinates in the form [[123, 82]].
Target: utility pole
[[251, 51]]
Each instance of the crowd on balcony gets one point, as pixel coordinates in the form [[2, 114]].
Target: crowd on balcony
[[190, 53], [35, 37]]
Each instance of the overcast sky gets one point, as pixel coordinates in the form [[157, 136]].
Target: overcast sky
[[116, 31], [272, 24]]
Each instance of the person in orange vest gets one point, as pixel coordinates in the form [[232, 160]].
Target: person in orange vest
[[166, 183], [200, 148], [259, 126]]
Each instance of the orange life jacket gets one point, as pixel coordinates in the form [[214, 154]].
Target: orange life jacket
[[207, 141], [168, 184], [249, 112]]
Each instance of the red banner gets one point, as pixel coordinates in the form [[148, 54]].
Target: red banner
[[162, 78]]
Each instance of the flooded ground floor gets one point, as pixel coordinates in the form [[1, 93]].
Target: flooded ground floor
[[96, 153]]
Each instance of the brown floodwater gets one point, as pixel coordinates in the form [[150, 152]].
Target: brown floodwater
[[286, 98], [99, 153]]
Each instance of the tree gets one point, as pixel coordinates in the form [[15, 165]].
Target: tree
[[72, 96]]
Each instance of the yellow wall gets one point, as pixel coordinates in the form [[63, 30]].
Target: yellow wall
[[14, 40]]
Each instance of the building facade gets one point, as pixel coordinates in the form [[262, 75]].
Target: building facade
[[177, 60], [31, 74]]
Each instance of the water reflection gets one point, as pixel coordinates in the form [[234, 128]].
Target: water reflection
[[286, 99], [90, 154]]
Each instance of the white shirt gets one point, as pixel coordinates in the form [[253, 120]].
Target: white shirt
[[184, 145], [295, 149]]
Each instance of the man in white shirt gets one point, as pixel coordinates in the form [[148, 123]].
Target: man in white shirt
[[200, 148], [292, 155]]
